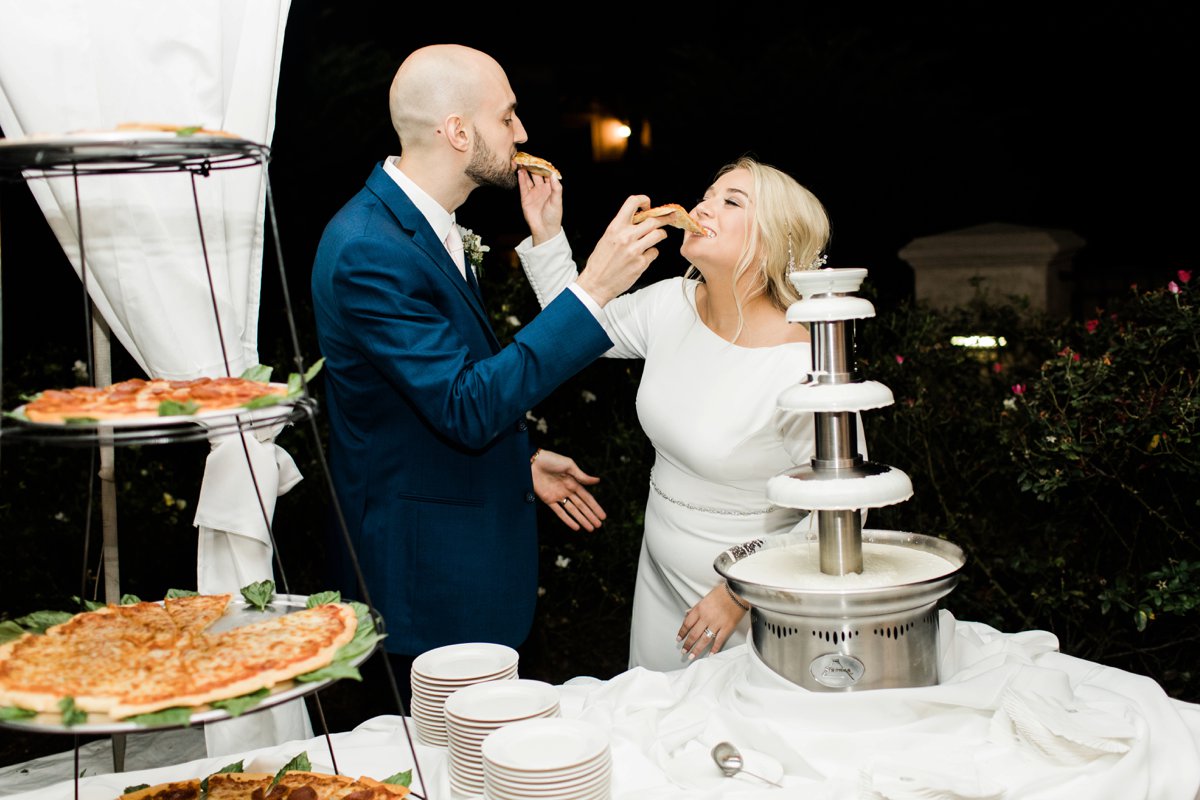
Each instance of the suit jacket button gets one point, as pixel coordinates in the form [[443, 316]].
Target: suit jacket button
[[521, 426], [529, 498]]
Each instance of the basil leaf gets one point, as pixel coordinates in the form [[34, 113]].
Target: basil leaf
[[88, 605], [179, 715], [236, 766], [323, 598], [10, 630], [39, 621], [137, 787], [298, 764], [294, 385], [262, 401], [188, 131], [129, 600], [312, 371], [236, 706], [174, 593], [400, 778], [174, 408], [336, 670], [259, 594], [70, 714], [80, 420], [12, 712], [259, 372]]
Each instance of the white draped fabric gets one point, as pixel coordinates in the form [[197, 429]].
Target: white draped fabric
[[80, 65]]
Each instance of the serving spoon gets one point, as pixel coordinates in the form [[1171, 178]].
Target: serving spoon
[[729, 759]]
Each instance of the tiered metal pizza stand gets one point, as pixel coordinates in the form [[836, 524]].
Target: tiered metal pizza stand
[[75, 156]]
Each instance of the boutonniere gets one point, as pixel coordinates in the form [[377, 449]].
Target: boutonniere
[[473, 247]]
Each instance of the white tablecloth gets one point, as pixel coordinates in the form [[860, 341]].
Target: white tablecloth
[[1011, 718]]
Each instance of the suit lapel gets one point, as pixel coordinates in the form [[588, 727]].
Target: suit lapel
[[414, 223]]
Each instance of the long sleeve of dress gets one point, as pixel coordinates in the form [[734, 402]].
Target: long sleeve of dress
[[550, 269]]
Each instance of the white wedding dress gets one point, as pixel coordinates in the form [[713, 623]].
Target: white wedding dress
[[709, 408]]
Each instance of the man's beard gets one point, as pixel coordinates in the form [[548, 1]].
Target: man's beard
[[487, 170]]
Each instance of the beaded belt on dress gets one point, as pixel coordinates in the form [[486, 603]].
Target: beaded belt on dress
[[709, 509]]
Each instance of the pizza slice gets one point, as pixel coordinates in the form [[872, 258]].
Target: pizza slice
[[175, 790], [195, 613], [538, 166], [677, 216]]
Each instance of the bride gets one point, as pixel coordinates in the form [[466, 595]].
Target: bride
[[718, 351]]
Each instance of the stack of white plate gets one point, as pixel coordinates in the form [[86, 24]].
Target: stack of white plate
[[436, 674], [475, 712], [548, 759]]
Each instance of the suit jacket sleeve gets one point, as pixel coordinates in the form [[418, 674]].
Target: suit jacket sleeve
[[416, 328]]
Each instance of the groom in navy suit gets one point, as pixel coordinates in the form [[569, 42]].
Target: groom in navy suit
[[430, 457]]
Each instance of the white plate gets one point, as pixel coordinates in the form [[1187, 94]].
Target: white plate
[[471, 660], [600, 791], [546, 745], [501, 701], [439, 691], [597, 775], [692, 767]]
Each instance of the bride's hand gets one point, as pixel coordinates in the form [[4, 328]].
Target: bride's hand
[[709, 624]]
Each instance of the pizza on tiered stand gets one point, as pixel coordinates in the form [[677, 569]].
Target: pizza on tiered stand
[[138, 398], [291, 785], [126, 660]]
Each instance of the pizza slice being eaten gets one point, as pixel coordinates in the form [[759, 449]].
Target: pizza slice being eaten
[[537, 166], [678, 216]]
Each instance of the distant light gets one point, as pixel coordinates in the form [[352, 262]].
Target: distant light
[[623, 131], [978, 342]]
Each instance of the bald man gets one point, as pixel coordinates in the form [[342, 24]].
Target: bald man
[[429, 452]]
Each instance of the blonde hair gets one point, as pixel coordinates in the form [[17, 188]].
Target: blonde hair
[[789, 226]]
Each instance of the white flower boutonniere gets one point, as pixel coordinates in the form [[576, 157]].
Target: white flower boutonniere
[[473, 247]]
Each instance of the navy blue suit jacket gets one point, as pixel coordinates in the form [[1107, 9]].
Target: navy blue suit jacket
[[429, 451]]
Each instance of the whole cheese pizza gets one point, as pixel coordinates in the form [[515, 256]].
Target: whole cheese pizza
[[125, 660], [138, 398]]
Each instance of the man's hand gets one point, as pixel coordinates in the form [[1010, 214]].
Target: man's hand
[[541, 203], [559, 483], [623, 252]]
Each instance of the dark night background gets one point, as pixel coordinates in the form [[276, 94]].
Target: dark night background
[[905, 120]]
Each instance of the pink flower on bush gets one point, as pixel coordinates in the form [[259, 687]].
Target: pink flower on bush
[[1018, 389], [899, 359], [1184, 275], [1092, 325], [997, 368], [1173, 287]]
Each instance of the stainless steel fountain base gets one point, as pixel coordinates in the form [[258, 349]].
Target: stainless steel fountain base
[[828, 640]]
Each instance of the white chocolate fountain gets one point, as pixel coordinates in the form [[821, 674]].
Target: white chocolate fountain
[[836, 607]]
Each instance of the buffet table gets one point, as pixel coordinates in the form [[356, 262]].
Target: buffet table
[[1011, 718]]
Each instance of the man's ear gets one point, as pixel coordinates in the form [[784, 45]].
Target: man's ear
[[457, 133]]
